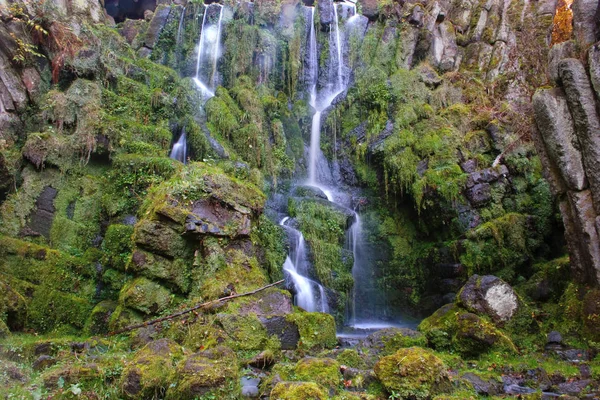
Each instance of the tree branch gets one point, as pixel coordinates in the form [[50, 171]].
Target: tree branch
[[189, 310]]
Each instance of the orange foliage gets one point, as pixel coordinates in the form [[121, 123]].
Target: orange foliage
[[562, 26]]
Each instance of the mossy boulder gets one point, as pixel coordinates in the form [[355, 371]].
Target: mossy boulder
[[413, 373], [298, 391], [489, 295], [453, 328], [211, 372], [51, 309], [161, 239], [151, 371], [70, 374], [387, 341], [122, 317], [13, 308], [117, 246], [245, 331], [98, 322], [146, 296], [325, 371], [175, 272], [351, 358], [317, 330]]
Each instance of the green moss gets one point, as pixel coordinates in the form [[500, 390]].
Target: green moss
[[98, 321], [297, 391], [317, 330], [53, 310], [146, 296], [245, 331], [324, 371], [413, 372], [351, 358], [117, 246]]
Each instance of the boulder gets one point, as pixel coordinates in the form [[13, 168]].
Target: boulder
[[557, 53], [153, 266], [298, 390], [413, 373], [151, 371], [387, 341], [489, 387], [326, 371], [317, 330], [557, 131], [479, 194], [286, 331], [489, 295], [13, 308], [99, 319], [145, 295], [268, 302], [246, 331], [370, 9], [210, 372], [159, 238]]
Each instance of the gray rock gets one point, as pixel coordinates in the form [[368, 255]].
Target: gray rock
[[487, 175], [158, 23], [554, 337], [416, 16], [558, 134], [584, 21], [557, 53], [286, 331], [574, 355], [479, 195], [325, 8], [573, 388], [594, 60], [250, 392], [40, 221], [379, 341], [581, 103], [370, 9], [489, 295], [12, 85], [585, 241], [483, 387]]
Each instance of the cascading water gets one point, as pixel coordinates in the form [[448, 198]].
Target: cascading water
[[296, 266], [179, 151], [206, 63], [208, 51]]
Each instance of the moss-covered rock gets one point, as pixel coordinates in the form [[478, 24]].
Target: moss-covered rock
[[452, 328], [245, 331], [317, 330], [151, 371], [13, 308], [211, 372], [174, 272], [413, 373], [298, 391], [591, 314], [146, 296], [122, 317], [324, 371], [50, 310], [387, 341], [70, 375], [117, 245], [351, 358], [160, 239], [98, 321]]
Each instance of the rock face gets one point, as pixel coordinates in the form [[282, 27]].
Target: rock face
[[489, 295], [568, 141]]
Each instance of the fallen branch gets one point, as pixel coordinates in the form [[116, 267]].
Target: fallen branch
[[189, 310]]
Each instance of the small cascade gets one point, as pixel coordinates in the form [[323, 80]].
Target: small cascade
[[179, 37], [296, 265], [208, 50], [179, 151]]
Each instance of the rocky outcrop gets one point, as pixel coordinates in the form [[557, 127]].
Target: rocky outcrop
[[568, 141]]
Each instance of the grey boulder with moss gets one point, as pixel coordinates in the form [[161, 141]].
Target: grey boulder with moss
[[489, 295]]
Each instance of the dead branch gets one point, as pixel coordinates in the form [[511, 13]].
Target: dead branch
[[189, 310]]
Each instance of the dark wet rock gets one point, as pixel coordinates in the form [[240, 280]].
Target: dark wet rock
[[554, 337], [308, 191], [268, 302], [325, 8], [158, 23], [487, 175], [212, 217], [484, 387], [286, 331], [370, 9], [262, 360], [489, 295], [40, 221], [574, 355], [479, 194], [575, 387]]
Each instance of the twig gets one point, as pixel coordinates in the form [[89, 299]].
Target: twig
[[189, 310]]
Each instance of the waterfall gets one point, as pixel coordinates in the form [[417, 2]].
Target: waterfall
[[180, 30], [179, 151], [296, 267], [208, 51]]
